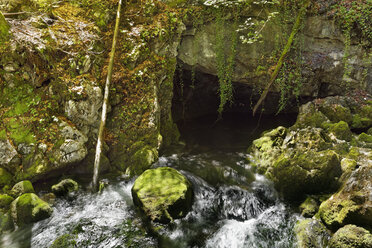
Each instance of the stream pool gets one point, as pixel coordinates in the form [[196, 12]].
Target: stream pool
[[233, 207]]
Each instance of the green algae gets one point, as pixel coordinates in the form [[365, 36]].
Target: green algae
[[163, 194]]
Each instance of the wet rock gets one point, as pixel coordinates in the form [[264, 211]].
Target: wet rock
[[50, 198], [351, 236], [65, 187], [311, 233], [163, 194], [29, 208], [341, 130], [352, 204], [309, 207], [21, 188], [64, 241]]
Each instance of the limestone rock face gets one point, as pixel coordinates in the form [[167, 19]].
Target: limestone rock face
[[323, 55], [311, 234], [351, 236], [353, 203], [29, 208], [163, 194], [9, 156]]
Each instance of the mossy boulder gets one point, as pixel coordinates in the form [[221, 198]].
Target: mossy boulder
[[341, 130], [351, 236], [4, 28], [65, 187], [352, 204], [309, 207], [308, 173], [309, 115], [311, 233], [29, 208], [5, 201], [335, 112], [163, 194], [5, 178], [21, 188], [363, 137]]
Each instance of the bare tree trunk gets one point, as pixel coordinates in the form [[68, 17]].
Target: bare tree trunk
[[97, 159], [286, 49]]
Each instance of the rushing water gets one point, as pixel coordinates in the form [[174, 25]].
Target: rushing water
[[233, 208]]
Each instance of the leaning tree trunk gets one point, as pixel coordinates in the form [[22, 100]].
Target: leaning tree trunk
[[286, 49], [97, 159]]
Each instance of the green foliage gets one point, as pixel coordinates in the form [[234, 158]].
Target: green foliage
[[225, 60]]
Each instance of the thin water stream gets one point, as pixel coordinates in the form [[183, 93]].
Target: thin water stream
[[233, 207]]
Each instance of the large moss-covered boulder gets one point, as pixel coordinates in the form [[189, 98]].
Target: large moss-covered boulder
[[21, 188], [311, 234], [163, 194], [352, 204], [351, 236], [65, 187], [307, 173], [29, 208]]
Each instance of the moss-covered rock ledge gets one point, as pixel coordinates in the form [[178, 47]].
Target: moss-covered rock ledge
[[322, 155]]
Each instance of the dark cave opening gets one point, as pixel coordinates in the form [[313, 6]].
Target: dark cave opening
[[194, 109]]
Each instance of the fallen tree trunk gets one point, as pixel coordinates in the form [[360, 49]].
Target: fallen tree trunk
[[97, 159]]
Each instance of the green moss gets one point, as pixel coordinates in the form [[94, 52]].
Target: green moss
[[6, 222], [29, 208], [353, 153], [3, 134], [142, 160], [5, 201], [337, 113], [311, 233], [348, 165], [365, 138], [22, 188], [340, 130], [312, 119], [360, 122], [64, 241], [4, 29], [19, 132], [336, 212], [310, 172], [163, 194], [369, 132], [309, 207], [5, 178], [351, 236]]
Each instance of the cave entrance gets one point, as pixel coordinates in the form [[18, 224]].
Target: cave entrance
[[194, 109]]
